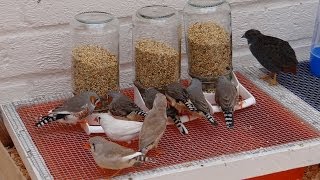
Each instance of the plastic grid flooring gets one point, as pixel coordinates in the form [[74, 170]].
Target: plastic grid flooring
[[263, 125], [303, 84]]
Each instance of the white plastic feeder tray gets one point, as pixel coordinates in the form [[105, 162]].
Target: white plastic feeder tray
[[247, 97]]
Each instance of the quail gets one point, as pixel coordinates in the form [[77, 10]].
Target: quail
[[274, 54]]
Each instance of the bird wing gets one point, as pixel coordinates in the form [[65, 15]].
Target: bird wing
[[177, 92], [285, 55], [122, 127], [149, 96], [74, 104], [226, 96], [201, 103], [289, 56], [111, 149], [273, 53], [123, 106], [151, 130], [198, 99]]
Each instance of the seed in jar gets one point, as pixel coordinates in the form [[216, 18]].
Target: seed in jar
[[94, 69], [156, 63], [209, 50]]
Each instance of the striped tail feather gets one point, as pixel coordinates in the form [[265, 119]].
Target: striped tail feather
[[190, 105], [143, 158], [182, 128], [45, 120], [228, 116], [210, 118], [141, 113]]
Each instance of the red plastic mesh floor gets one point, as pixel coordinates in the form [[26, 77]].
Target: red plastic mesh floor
[[263, 125]]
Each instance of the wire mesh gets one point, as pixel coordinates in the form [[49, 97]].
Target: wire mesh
[[263, 125], [303, 84]]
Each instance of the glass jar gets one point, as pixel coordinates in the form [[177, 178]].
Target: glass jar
[[315, 47], [208, 37], [95, 53], [157, 46]]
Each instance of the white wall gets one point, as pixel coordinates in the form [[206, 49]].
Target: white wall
[[34, 38]]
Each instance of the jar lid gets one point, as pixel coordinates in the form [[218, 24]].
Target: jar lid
[[156, 12], [94, 17], [205, 3]]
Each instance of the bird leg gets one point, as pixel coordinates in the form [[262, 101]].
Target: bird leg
[[265, 77], [273, 80]]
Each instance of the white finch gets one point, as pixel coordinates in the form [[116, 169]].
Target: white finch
[[117, 129]]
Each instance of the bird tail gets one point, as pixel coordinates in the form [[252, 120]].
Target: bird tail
[[182, 128], [190, 105], [228, 116], [141, 113], [291, 69], [45, 120], [143, 158], [210, 118]]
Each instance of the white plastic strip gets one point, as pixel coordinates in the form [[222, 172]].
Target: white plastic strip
[[27, 150]]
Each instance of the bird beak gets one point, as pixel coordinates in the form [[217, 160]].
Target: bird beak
[[243, 36], [99, 104], [86, 146]]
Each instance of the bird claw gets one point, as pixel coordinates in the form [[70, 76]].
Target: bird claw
[[271, 79], [272, 82], [265, 77]]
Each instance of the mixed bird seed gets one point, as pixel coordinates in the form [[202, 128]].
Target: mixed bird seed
[[209, 51], [156, 63], [95, 69]]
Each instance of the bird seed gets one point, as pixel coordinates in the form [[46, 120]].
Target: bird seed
[[156, 63], [209, 51], [94, 69]]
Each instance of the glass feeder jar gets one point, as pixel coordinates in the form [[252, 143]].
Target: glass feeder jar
[[315, 47], [207, 26], [157, 46], [95, 53]]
